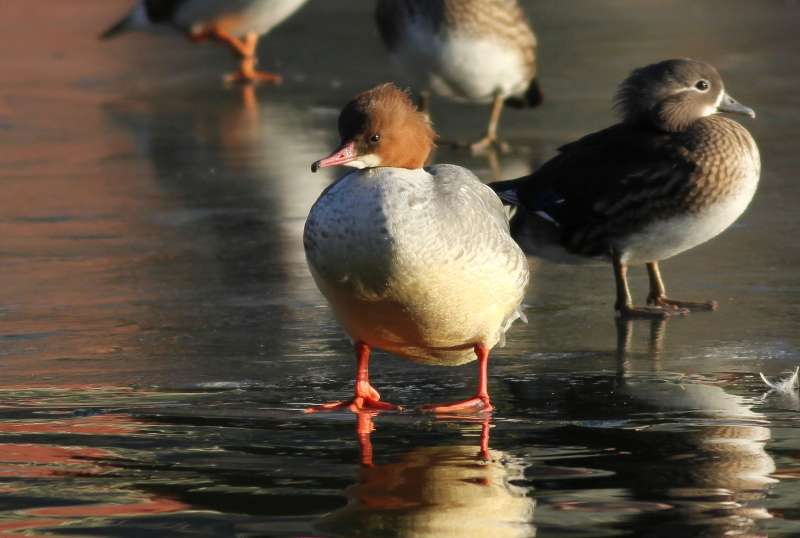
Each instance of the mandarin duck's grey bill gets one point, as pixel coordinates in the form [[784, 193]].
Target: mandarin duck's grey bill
[[672, 175], [732, 106], [418, 262], [477, 51]]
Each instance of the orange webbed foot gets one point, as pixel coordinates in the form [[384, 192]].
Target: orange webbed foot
[[366, 399], [476, 404]]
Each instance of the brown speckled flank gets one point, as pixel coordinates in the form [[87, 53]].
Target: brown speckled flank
[[504, 20]]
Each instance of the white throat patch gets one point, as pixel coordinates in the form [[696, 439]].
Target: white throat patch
[[370, 160]]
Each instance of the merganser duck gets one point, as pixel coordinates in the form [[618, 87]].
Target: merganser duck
[[416, 261], [235, 23], [671, 176], [478, 51]]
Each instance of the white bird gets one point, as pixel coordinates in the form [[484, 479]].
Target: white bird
[[418, 262], [236, 23]]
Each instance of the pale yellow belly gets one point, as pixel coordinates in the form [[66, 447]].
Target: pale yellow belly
[[430, 325]]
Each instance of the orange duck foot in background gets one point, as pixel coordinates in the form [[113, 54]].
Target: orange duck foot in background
[[478, 403], [245, 50], [247, 74], [366, 397]]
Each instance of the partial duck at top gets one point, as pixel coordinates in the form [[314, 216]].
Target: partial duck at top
[[477, 51], [672, 175], [416, 261], [237, 24]]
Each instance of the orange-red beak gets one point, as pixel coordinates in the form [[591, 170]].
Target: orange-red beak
[[345, 154]]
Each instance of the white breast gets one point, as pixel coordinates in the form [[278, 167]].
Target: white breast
[[462, 67], [475, 69], [408, 277], [666, 238]]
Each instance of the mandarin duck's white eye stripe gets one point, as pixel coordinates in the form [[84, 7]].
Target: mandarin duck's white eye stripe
[[671, 176]]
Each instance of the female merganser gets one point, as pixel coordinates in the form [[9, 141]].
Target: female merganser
[[671, 176], [418, 262], [236, 23], [478, 51]]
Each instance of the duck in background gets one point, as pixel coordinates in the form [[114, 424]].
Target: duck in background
[[417, 262], [236, 23], [476, 51], [672, 175]]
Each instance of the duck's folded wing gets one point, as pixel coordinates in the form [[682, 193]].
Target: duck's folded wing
[[618, 170]]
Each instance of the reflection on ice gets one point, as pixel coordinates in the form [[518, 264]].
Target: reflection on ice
[[434, 491]]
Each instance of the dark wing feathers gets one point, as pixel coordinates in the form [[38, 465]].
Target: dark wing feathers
[[606, 184]]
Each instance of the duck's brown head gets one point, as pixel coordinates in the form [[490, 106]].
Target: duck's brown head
[[382, 127], [673, 94]]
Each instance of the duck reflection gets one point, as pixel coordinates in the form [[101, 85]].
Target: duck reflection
[[682, 443], [232, 172], [456, 490], [237, 162]]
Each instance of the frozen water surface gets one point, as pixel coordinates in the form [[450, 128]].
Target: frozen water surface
[[160, 333]]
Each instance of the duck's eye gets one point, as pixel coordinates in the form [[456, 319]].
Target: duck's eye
[[702, 85], [374, 139]]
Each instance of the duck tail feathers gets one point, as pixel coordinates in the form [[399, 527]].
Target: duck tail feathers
[[507, 191], [532, 97]]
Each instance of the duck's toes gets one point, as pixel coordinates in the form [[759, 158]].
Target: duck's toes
[[698, 306], [487, 144], [356, 405], [476, 404], [650, 312]]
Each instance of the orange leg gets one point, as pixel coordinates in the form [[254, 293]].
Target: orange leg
[[479, 402], [366, 397], [245, 49]]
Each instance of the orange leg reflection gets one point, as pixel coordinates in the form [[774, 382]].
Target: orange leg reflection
[[365, 426], [485, 440], [366, 397]]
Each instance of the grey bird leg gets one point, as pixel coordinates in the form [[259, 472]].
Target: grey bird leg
[[658, 294], [624, 305], [491, 140]]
